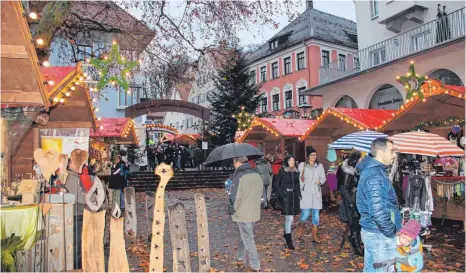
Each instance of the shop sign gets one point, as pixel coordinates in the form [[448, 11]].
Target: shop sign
[[387, 99]]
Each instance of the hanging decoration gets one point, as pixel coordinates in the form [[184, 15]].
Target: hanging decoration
[[438, 123], [244, 119], [113, 69], [412, 83]]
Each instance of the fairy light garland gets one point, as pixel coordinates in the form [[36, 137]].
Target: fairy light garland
[[257, 122], [244, 119]]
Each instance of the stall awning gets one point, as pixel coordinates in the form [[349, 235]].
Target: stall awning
[[22, 81], [189, 139], [337, 122], [286, 128], [441, 103], [76, 110], [118, 130]]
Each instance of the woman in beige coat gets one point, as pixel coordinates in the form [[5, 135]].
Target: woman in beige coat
[[312, 177]]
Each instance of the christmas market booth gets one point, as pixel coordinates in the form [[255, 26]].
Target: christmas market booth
[[183, 139], [276, 136], [110, 131], [335, 123], [438, 109]]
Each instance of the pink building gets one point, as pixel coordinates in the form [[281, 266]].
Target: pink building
[[289, 62]]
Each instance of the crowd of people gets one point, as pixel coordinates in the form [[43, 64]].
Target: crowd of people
[[178, 156], [369, 207]]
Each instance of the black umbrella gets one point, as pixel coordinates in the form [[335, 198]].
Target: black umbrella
[[225, 153]]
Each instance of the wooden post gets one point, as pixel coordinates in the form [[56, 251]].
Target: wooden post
[[179, 238], [150, 201], [203, 245], [158, 224], [117, 261], [130, 214], [93, 241]]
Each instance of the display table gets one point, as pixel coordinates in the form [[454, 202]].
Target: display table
[[444, 207], [20, 227]]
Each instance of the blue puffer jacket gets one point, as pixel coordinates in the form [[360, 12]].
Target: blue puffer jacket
[[376, 199]]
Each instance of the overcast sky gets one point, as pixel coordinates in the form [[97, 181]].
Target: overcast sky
[[342, 8]]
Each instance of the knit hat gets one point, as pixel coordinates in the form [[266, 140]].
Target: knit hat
[[310, 150], [412, 229]]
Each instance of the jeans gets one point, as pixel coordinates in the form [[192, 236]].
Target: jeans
[[264, 196], [288, 223], [122, 199], [377, 249], [247, 244], [305, 215], [77, 241]]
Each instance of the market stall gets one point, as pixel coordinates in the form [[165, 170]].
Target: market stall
[[184, 139], [277, 136], [338, 122]]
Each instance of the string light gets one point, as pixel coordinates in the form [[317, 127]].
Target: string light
[[62, 100], [33, 15], [46, 63], [51, 83], [40, 41], [55, 99], [67, 94]]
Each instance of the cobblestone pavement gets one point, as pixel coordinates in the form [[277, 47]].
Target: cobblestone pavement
[[448, 253]]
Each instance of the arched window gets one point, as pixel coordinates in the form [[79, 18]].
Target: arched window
[[346, 102], [446, 77], [387, 97]]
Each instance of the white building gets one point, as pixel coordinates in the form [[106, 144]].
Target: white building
[[391, 34]]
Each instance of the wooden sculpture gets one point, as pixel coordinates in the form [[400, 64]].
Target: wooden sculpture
[[156, 251], [93, 241], [63, 166], [95, 197], [130, 214], [117, 261], [78, 159], [179, 238], [48, 162], [202, 233]]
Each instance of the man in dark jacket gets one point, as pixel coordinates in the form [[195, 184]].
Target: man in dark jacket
[[245, 209], [377, 203], [264, 168]]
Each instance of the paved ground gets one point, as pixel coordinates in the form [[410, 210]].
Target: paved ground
[[448, 253]]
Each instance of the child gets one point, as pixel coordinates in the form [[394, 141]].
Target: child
[[409, 248]]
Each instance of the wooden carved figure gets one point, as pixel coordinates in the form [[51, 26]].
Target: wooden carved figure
[[63, 166], [48, 162], [156, 251], [78, 159], [179, 238], [130, 214], [202, 233]]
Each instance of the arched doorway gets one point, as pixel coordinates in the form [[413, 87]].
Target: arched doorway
[[386, 97], [446, 77], [346, 102]]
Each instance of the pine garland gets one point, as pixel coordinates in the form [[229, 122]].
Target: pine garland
[[437, 123]]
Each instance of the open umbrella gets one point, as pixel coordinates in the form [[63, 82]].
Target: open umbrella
[[225, 153], [422, 143], [360, 141]]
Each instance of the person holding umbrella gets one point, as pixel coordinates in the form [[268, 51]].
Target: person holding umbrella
[[312, 176], [244, 204]]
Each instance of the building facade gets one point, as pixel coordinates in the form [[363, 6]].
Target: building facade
[[288, 63], [391, 35]]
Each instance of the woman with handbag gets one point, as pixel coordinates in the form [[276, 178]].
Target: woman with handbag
[[287, 187], [312, 177]]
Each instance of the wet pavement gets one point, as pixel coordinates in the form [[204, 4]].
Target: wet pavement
[[448, 253]]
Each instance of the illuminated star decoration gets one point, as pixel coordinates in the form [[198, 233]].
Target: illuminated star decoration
[[244, 119], [412, 83], [113, 69]]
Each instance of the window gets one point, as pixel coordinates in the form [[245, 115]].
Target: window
[[83, 52], [136, 93], [302, 98], [325, 58], [288, 99], [421, 41], [341, 62], [276, 102], [264, 105], [374, 8], [287, 65], [177, 124], [301, 60], [130, 55], [378, 56], [252, 77], [263, 74], [356, 63], [202, 98], [273, 44], [274, 70]]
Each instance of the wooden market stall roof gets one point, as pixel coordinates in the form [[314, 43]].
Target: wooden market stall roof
[[121, 130], [71, 102], [441, 102], [21, 79], [189, 139], [278, 127], [342, 121]]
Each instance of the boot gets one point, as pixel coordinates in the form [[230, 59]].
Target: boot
[[315, 237], [356, 244], [289, 243], [300, 231], [360, 248]]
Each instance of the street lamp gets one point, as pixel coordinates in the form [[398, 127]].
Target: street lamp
[[303, 109]]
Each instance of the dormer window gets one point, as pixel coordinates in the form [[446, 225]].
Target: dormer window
[[273, 44]]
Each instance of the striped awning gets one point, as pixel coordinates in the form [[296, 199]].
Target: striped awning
[[422, 143], [360, 141]]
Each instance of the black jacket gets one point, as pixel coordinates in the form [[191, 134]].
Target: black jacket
[[347, 179], [287, 187]]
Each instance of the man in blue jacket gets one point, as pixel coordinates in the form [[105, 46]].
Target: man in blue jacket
[[377, 203]]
